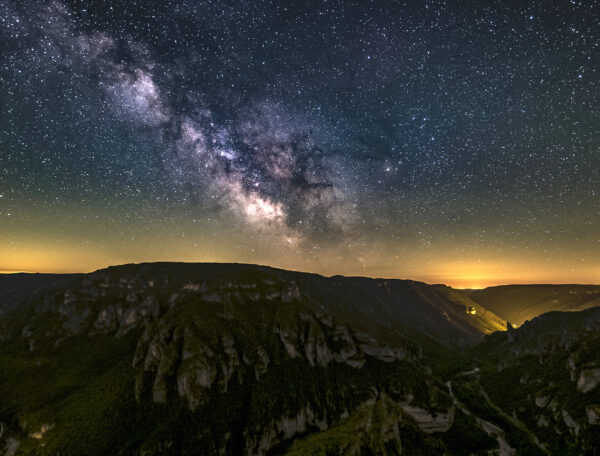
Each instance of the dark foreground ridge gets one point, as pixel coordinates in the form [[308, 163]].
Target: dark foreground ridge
[[234, 359]]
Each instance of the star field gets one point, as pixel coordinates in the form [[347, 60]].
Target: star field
[[456, 144]]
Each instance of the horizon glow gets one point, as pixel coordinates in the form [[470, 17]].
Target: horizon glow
[[428, 142]]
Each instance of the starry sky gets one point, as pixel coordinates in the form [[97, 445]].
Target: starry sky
[[423, 140]]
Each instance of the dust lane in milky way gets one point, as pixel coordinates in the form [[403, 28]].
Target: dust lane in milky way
[[421, 140]]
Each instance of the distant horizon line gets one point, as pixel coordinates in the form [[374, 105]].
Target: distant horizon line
[[499, 284]]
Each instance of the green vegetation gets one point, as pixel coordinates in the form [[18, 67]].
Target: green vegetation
[[296, 364], [472, 395], [466, 438], [82, 388]]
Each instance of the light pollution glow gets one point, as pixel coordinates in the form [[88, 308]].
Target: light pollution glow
[[63, 257]]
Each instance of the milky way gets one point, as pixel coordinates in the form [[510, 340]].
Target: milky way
[[385, 138]]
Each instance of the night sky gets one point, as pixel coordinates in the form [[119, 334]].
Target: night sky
[[424, 140]]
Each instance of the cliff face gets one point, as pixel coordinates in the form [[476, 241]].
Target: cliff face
[[126, 297], [240, 359], [546, 374]]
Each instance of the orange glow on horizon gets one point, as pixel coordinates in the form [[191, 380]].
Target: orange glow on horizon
[[65, 257], [478, 274]]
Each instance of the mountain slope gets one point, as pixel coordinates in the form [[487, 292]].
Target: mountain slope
[[228, 359], [15, 288], [410, 307], [518, 303], [545, 377], [231, 359]]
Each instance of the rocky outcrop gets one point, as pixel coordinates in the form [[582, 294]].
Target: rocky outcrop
[[543, 421], [203, 354], [297, 353], [588, 379], [570, 422], [379, 417], [554, 355], [429, 422], [125, 298], [593, 414], [11, 446], [542, 401], [259, 442]]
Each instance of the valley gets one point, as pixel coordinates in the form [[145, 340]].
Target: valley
[[174, 358]]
